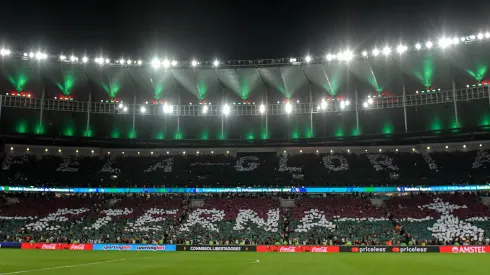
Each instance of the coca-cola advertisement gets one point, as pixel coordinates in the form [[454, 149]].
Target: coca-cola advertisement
[[299, 248], [56, 246]]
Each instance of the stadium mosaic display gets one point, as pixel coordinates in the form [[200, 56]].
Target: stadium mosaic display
[[431, 90]]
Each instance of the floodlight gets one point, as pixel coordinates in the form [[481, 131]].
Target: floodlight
[[487, 35], [40, 55], [204, 109], [166, 63], [121, 61], [375, 52], [429, 45], [143, 109], [4, 52], [216, 63], [155, 63], [386, 50], [107, 61], [62, 57], [262, 108], [125, 109], [346, 55], [370, 101], [140, 62], [342, 105], [120, 105], [308, 59], [194, 63], [365, 104], [455, 40], [289, 108], [292, 60], [480, 36], [31, 54], [167, 109], [472, 37], [128, 62], [85, 59], [73, 58], [444, 42], [401, 49], [323, 105], [329, 57], [226, 109], [364, 53], [418, 46], [347, 103], [174, 63]]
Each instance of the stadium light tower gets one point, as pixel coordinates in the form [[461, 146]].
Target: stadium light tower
[[226, 109], [289, 108]]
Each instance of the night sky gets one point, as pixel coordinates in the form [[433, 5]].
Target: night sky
[[206, 30]]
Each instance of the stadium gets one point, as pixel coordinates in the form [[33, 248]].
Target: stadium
[[277, 166]]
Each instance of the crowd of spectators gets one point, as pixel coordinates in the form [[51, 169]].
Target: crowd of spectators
[[256, 218], [251, 170]]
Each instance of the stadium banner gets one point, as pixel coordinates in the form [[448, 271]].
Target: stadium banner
[[390, 249], [299, 248], [135, 247], [10, 245], [402, 189], [217, 248], [465, 249], [56, 246]]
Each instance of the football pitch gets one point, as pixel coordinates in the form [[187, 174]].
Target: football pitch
[[217, 263]]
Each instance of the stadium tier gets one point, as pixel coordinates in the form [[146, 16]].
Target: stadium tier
[[245, 219], [68, 167], [431, 91]]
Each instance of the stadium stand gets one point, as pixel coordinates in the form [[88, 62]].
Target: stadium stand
[[255, 169], [247, 219]]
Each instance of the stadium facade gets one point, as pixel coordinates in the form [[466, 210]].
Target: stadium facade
[[423, 93]]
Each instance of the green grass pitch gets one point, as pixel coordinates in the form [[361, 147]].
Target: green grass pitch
[[230, 263]]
